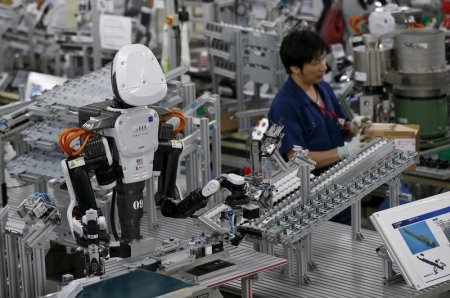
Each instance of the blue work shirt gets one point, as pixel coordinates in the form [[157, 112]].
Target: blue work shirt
[[307, 126], [304, 123]]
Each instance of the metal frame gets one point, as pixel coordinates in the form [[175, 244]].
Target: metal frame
[[377, 164], [3, 260], [229, 57], [26, 265]]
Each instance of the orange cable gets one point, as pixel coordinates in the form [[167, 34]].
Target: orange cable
[[354, 21], [180, 116], [68, 135]]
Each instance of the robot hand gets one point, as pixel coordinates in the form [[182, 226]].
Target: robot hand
[[263, 193], [270, 137], [91, 234], [238, 187]]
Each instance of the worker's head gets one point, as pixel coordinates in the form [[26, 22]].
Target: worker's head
[[303, 53]]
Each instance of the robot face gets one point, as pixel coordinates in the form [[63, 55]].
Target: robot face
[[137, 77]]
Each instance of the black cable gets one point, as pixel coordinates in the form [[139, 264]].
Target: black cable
[[4, 195], [112, 215], [125, 10]]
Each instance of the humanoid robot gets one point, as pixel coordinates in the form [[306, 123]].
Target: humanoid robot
[[124, 141]]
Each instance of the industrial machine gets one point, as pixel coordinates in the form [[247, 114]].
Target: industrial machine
[[407, 83], [371, 62], [420, 83]]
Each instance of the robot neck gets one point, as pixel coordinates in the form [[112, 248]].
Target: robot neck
[[119, 104]]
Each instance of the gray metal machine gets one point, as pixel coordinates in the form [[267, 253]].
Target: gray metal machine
[[371, 64], [420, 83], [408, 83]]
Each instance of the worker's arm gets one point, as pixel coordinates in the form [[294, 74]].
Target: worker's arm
[[322, 158]]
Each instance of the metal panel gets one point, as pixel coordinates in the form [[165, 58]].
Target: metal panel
[[39, 163], [263, 39], [261, 75], [90, 88], [267, 59], [45, 134], [420, 51]]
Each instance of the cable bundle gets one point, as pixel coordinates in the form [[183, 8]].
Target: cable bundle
[[68, 135], [176, 113]]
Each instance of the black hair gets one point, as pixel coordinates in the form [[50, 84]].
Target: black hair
[[300, 47]]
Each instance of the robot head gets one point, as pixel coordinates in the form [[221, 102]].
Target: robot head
[[381, 22], [136, 77]]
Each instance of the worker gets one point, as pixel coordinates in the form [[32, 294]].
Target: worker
[[307, 106], [47, 14]]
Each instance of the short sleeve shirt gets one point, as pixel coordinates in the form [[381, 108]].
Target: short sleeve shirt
[[304, 123]]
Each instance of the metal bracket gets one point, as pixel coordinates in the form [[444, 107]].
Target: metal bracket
[[306, 279], [359, 236], [394, 182], [394, 191], [312, 265], [389, 275], [301, 157], [397, 278], [403, 196]]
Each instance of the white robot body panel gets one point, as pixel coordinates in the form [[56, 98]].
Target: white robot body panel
[[236, 179], [134, 134], [139, 78], [211, 188]]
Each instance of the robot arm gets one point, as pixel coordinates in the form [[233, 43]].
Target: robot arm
[[87, 227], [198, 198]]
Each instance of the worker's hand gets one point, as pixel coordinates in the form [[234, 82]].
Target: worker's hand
[[350, 148], [358, 122]]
